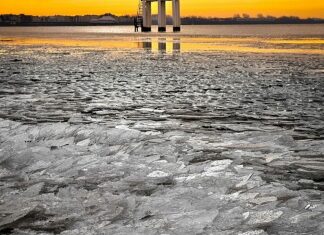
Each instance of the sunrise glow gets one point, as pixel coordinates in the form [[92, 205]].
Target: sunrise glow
[[217, 8]]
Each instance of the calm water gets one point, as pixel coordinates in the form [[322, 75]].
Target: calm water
[[301, 39], [193, 30]]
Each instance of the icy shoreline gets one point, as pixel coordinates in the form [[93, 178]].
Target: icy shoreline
[[145, 141], [90, 179]]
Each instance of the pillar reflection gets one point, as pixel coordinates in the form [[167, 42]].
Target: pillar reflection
[[147, 45], [161, 45], [176, 45]]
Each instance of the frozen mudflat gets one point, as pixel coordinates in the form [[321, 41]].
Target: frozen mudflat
[[117, 141]]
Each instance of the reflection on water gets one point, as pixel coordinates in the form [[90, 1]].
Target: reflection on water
[[147, 45], [176, 44], [171, 45], [291, 39], [297, 41], [161, 45], [93, 43], [283, 31]]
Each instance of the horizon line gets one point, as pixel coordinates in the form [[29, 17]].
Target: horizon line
[[198, 16]]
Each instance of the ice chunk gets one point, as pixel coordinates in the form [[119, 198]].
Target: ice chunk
[[216, 167], [254, 232], [158, 174], [15, 217], [262, 200], [262, 218]]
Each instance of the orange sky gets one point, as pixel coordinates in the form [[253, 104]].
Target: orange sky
[[218, 8]]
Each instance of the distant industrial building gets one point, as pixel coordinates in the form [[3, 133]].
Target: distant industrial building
[[104, 20]]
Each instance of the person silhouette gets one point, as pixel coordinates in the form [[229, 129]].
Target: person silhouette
[[135, 24]]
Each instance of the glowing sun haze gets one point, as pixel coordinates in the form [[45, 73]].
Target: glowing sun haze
[[218, 8]]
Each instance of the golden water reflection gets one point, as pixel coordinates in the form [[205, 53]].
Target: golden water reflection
[[296, 41], [171, 45], [161, 45]]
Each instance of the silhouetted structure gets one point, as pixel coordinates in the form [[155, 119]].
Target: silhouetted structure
[[145, 5]]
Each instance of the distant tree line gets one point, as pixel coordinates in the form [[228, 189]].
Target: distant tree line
[[246, 19], [110, 19]]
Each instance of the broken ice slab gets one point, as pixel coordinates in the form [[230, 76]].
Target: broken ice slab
[[10, 219], [262, 219]]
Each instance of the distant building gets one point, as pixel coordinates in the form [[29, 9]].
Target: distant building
[[26, 19], [60, 19], [12, 19], [36, 19], [84, 19], [107, 19]]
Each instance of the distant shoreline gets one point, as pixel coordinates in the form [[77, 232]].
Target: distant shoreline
[[110, 19], [220, 23]]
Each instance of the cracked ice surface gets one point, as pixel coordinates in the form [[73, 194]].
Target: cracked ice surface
[[124, 181], [128, 142]]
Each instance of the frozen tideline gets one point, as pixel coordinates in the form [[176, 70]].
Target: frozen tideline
[[117, 140]]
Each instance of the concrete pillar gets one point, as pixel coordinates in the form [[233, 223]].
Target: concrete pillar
[[162, 16], [176, 15], [147, 16]]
